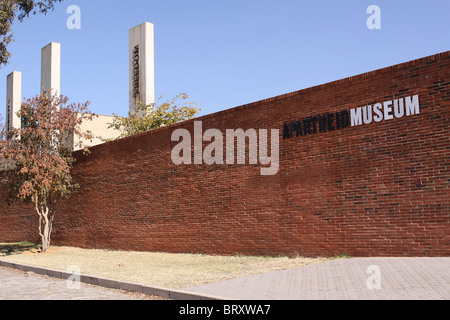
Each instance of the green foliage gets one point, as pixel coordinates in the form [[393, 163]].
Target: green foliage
[[26, 244], [152, 117], [342, 256], [2, 128], [20, 9]]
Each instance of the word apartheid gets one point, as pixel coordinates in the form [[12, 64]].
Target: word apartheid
[[387, 110]]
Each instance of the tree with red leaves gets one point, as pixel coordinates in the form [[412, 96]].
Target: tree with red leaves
[[40, 155]]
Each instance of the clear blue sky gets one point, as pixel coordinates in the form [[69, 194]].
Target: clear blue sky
[[224, 53]]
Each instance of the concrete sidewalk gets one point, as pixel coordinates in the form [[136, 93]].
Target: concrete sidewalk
[[344, 279]]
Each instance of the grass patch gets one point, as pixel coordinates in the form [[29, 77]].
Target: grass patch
[[8, 249], [175, 271]]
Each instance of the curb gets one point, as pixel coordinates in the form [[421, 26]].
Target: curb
[[164, 293]]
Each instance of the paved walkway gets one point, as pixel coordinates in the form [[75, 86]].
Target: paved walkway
[[345, 279], [19, 285]]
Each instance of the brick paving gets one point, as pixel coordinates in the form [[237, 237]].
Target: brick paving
[[19, 285], [345, 279], [342, 279]]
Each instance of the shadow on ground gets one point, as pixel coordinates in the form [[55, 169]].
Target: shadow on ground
[[8, 249]]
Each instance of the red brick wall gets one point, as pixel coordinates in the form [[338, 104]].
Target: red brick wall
[[374, 190]]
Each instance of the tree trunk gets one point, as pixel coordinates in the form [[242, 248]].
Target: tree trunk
[[45, 224], [45, 236]]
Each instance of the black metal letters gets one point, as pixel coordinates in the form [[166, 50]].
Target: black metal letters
[[136, 71], [318, 124]]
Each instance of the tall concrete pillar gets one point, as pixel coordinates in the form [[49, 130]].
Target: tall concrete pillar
[[13, 100], [51, 68], [142, 66]]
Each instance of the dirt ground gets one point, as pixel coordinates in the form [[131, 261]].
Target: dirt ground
[[166, 270]]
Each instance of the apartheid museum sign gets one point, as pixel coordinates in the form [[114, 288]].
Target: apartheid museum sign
[[387, 110]]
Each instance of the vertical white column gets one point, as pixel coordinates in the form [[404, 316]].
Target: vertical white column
[[13, 100], [142, 65], [51, 68]]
